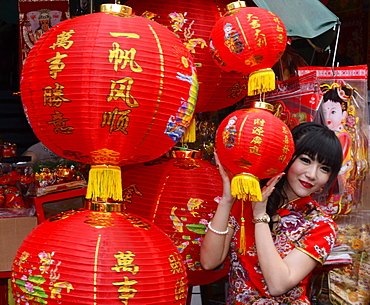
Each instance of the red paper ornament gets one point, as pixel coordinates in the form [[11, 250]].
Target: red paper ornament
[[97, 257], [192, 22], [249, 40], [253, 144], [178, 195], [109, 90]]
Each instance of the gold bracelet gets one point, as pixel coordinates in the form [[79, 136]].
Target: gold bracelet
[[265, 218]]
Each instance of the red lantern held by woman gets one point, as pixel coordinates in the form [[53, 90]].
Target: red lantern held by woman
[[108, 90], [97, 257], [178, 195], [249, 40], [253, 144]]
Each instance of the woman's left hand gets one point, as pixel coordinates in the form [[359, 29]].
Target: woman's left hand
[[259, 207]]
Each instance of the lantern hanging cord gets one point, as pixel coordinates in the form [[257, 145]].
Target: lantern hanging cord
[[105, 182]]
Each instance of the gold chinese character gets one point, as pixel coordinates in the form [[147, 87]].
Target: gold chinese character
[[180, 289], [60, 123], [121, 57], [116, 93], [279, 28], [282, 158], [125, 290], [56, 64], [258, 131], [124, 262], [257, 140], [137, 222], [260, 39], [175, 263], [285, 149], [129, 191], [100, 220], [280, 38], [236, 90], [116, 120], [254, 150], [62, 40], [54, 97], [286, 139], [259, 122]]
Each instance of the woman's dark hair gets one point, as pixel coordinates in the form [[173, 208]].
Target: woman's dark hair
[[319, 143]]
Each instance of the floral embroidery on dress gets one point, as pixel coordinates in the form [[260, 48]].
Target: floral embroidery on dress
[[302, 225]]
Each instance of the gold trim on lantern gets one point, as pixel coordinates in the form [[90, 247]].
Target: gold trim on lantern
[[103, 206], [116, 9], [247, 174], [184, 154], [236, 4], [263, 105]]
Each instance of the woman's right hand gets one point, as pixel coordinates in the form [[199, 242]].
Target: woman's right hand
[[226, 177]]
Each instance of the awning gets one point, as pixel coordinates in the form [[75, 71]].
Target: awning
[[305, 19]]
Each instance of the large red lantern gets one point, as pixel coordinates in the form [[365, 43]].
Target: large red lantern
[[178, 195], [97, 257], [109, 90], [253, 144], [249, 40], [192, 22]]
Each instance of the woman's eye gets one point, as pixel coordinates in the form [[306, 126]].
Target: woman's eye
[[305, 160], [326, 169]]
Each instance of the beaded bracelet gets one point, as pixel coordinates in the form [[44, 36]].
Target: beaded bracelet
[[218, 232]]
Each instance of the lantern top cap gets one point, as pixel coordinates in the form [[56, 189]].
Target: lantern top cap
[[116, 9], [263, 105], [236, 4]]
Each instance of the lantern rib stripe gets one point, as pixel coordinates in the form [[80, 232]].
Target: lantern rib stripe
[[160, 89], [96, 265], [242, 30], [240, 133]]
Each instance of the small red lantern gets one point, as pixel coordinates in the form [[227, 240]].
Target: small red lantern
[[253, 144], [249, 40], [178, 195], [98, 257], [192, 22], [108, 90]]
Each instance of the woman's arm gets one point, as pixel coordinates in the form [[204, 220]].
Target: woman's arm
[[280, 274], [215, 247]]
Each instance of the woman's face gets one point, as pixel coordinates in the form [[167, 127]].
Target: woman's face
[[333, 114], [305, 176]]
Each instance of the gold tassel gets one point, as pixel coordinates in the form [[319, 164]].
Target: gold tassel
[[104, 182], [261, 81], [242, 243], [246, 187], [190, 133]]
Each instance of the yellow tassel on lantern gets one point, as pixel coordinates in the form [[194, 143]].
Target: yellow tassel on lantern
[[246, 187], [190, 133], [104, 182], [242, 242], [261, 81]]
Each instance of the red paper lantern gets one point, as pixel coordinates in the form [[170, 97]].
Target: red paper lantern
[[192, 22], [253, 144], [109, 90], [96, 257], [178, 195], [249, 40]]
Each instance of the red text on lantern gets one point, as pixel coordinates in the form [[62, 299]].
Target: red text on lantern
[[129, 191], [54, 97], [116, 120], [122, 92], [63, 40], [56, 65], [60, 123]]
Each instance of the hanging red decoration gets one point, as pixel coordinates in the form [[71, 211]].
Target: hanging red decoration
[[253, 144], [178, 195], [249, 40], [108, 90], [192, 22], [98, 257]]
